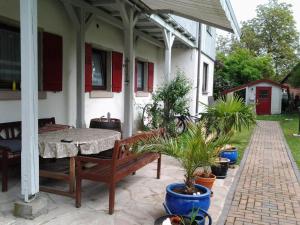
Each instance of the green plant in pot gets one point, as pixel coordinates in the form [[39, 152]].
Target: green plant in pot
[[193, 149], [227, 116], [168, 101]]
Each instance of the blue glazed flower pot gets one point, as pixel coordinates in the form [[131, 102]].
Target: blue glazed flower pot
[[181, 204], [231, 154]]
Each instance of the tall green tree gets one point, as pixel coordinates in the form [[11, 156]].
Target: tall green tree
[[239, 67], [273, 32]]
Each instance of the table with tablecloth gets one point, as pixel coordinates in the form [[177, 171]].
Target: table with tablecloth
[[68, 143]]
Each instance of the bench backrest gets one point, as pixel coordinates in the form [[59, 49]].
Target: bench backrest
[[12, 130], [123, 148]]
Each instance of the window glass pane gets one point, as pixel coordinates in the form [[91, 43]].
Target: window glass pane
[[140, 76], [263, 94], [99, 68], [205, 77], [10, 60]]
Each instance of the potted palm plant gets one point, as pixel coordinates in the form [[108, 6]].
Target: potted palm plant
[[226, 116], [193, 149]]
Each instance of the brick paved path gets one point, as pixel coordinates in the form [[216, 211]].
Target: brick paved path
[[268, 191]]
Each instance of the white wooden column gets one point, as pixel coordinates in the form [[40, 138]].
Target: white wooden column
[[129, 19], [29, 96], [81, 22], [169, 40], [80, 62]]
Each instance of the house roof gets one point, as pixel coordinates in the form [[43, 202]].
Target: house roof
[[241, 87], [291, 73], [216, 13]]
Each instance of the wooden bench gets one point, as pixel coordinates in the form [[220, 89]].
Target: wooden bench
[[110, 171], [10, 146]]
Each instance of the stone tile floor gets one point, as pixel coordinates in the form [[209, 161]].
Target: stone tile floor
[[268, 192], [139, 200]]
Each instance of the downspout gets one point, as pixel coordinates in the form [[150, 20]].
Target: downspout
[[198, 67]]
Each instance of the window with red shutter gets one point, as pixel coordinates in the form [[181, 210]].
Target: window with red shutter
[[150, 76], [135, 76], [52, 62], [117, 69], [88, 67]]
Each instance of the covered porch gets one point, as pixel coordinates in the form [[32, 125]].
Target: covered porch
[[133, 21]]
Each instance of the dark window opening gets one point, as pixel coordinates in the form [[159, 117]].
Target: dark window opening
[[205, 78], [99, 70], [263, 94], [10, 57], [140, 76]]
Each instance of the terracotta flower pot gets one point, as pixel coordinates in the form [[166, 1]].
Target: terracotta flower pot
[[205, 181]]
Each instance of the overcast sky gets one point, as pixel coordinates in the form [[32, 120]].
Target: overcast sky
[[245, 10]]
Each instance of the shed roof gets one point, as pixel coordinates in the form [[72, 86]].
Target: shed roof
[[293, 72], [241, 87]]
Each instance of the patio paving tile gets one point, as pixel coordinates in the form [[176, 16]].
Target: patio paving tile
[[139, 200], [268, 191]]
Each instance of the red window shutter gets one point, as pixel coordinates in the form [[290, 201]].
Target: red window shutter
[[135, 76], [117, 68], [88, 67], [150, 76], [52, 62]]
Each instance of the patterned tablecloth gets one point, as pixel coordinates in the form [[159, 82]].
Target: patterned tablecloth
[[91, 141]]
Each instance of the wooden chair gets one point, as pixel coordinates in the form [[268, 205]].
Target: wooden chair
[[109, 124], [110, 171]]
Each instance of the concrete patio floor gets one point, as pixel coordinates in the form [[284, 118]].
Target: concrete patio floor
[[139, 200]]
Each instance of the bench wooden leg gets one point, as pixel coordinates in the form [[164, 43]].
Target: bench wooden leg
[[112, 190], [4, 169], [78, 192], [158, 167]]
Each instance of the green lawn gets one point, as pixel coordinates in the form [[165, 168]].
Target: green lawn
[[241, 140], [289, 125]]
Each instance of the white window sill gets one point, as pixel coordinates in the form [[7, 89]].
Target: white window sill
[[6, 95], [142, 94], [205, 92], [101, 94]]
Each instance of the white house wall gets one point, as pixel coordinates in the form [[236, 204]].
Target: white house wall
[[53, 18], [186, 60], [203, 97], [208, 45]]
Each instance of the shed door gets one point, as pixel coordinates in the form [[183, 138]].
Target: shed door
[[263, 100]]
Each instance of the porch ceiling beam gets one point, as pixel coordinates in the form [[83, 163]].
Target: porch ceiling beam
[[149, 38], [89, 20], [72, 14], [106, 17], [182, 38], [103, 2]]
